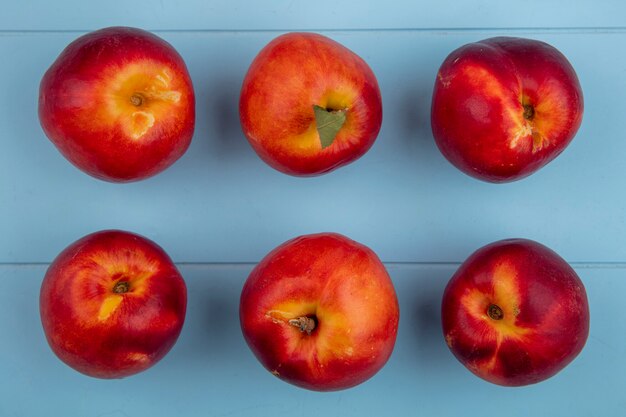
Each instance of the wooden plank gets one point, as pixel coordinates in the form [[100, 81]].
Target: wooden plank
[[318, 15]]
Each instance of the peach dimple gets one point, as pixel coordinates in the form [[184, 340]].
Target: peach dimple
[[142, 93]]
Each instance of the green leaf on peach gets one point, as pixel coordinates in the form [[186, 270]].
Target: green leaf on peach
[[328, 122]]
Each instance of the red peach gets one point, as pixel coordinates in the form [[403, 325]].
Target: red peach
[[320, 312], [119, 104], [309, 105], [515, 313], [112, 304], [504, 107]]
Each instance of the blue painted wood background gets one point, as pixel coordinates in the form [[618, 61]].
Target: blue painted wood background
[[220, 209]]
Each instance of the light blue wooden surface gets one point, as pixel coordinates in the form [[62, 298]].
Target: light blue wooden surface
[[221, 204], [315, 15]]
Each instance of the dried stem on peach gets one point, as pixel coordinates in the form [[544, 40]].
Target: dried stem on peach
[[304, 324]]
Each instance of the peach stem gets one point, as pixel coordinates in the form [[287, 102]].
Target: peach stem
[[495, 312], [529, 112], [136, 99], [121, 287], [305, 324]]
